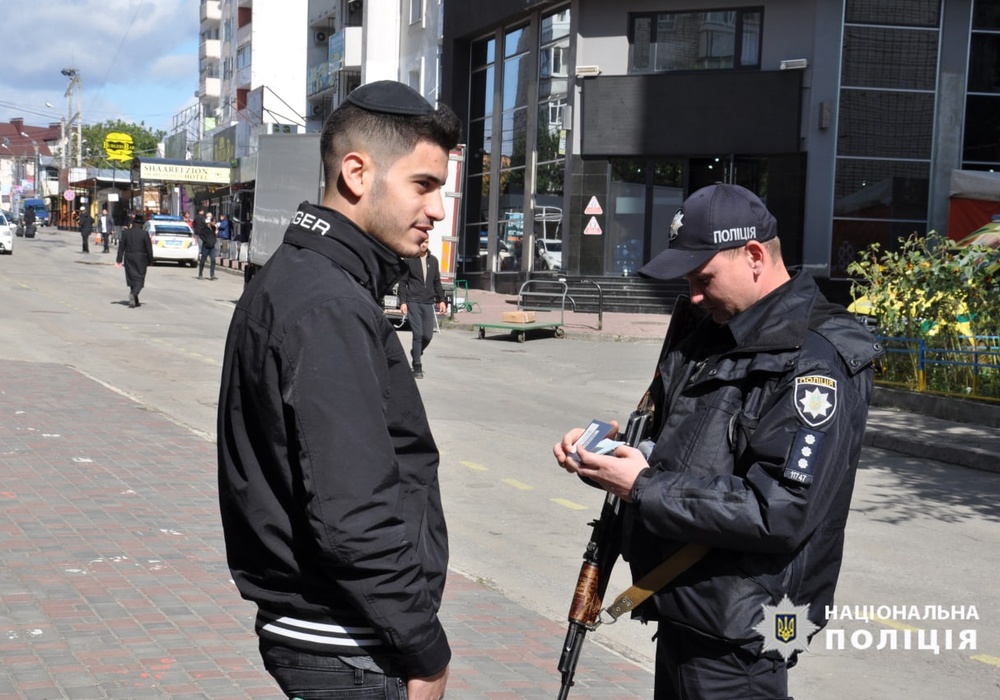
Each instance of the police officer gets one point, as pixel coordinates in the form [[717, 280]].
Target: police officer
[[761, 398], [328, 472]]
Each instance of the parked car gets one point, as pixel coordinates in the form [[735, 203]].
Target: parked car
[[173, 239], [6, 235], [548, 254]]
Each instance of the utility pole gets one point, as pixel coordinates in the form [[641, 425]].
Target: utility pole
[[74, 80]]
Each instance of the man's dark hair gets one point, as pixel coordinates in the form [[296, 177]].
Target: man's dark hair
[[385, 137]]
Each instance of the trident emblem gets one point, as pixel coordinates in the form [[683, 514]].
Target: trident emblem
[[784, 627]]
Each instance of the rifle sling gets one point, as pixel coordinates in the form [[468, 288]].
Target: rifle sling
[[672, 567]]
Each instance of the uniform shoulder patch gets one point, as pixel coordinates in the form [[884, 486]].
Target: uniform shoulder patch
[[815, 399]]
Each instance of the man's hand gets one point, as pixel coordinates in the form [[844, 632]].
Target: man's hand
[[429, 688], [402, 309], [440, 307], [117, 264], [616, 473]]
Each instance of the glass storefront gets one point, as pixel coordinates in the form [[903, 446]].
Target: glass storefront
[[519, 82]]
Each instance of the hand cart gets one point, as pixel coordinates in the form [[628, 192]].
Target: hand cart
[[533, 294]]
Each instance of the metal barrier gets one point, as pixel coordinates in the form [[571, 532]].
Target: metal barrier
[[981, 355]]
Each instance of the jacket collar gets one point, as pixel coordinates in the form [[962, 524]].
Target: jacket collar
[[781, 319], [334, 236]]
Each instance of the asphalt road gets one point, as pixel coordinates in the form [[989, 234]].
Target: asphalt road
[[921, 533]]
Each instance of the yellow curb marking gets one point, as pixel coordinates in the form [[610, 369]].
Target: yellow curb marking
[[991, 660], [568, 504], [896, 625], [520, 485]]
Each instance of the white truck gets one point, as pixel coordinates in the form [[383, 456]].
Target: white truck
[[288, 171]]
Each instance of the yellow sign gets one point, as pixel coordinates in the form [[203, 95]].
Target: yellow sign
[[118, 146], [172, 172]]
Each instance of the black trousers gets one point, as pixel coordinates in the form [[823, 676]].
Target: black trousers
[[421, 318], [691, 667]]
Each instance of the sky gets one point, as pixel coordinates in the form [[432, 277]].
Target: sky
[[137, 59]]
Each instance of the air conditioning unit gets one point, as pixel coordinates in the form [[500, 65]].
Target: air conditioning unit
[[319, 38], [317, 111]]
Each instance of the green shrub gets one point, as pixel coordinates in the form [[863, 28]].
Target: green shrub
[[938, 298]]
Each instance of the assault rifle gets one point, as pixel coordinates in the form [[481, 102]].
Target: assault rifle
[[598, 561]]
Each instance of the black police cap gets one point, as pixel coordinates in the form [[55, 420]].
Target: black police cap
[[390, 97]]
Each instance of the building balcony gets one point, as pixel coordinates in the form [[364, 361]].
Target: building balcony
[[210, 48], [211, 11], [209, 88]]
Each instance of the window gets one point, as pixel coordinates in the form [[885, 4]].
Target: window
[[243, 56], [669, 41], [885, 127], [981, 146], [416, 11]]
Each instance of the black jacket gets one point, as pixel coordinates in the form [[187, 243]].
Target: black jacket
[[205, 231], [328, 473], [86, 222], [414, 289], [136, 251], [761, 433]]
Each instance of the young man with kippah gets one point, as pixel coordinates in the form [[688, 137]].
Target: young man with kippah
[[328, 472], [761, 396]]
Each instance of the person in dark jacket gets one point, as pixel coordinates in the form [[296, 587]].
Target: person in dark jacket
[[204, 228], [328, 472], [760, 402], [421, 296], [86, 228], [135, 250], [29, 222]]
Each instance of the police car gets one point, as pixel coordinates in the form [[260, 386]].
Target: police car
[[173, 239]]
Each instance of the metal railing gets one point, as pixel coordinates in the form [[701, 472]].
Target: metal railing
[[970, 370]]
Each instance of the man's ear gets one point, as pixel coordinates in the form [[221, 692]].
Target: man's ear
[[356, 173], [756, 253]]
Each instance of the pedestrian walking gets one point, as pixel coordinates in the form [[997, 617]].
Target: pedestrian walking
[[421, 296], [86, 228], [29, 222], [760, 401], [105, 226], [206, 234], [135, 250], [328, 472]]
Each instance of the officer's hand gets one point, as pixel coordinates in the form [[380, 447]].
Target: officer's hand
[[429, 688], [563, 449]]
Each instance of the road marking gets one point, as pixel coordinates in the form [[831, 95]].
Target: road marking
[[568, 504], [896, 625], [474, 467], [520, 485], [991, 660]]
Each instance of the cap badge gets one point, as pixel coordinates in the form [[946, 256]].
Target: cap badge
[[675, 225]]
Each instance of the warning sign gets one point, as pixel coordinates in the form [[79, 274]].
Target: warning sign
[[593, 207], [593, 228]]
